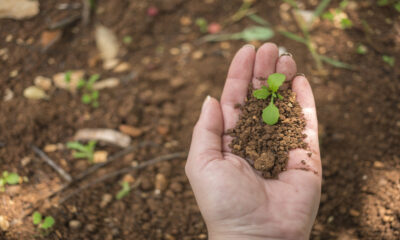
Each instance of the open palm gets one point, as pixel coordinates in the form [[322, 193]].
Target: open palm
[[235, 201]]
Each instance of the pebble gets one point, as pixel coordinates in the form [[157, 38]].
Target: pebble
[[177, 82], [174, 51], [354, 213], [34, 92], [130, 130], [75, 224], [176, 187], [8, 95], [50, 148], [4, 224], [100, 156], [25, 161], [105, 200], [128, 178], [9, 38], [90, 227], [160, 183], [110, 63], [185, 21], [162, 130], [197, 54], [122, 67], [43, 82], [378, 164], [106, 83], [225, 45], [14, 73]]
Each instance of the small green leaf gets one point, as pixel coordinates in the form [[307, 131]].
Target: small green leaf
[[124, 191], [361, 49], [262, 93], [81, 84], [68, 76], [328, 16], [256, 33], [80, 155], [343, 4], [2, 182], [12, 179], [127, 39], [202, 24], [95, 95], [5, 174], [76, 146], [270, 114], [389, 60], [397, 6], [95, 104], [275, 80], [383, 2], [321, 7], [86, 98], [92, 80], [36, 217], [48, 222], [280, 96], [335, 63], [346, 23], [257, 19]]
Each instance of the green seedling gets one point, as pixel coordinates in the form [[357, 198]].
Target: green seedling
[[43, 224], [346, 23], [68, 76], [90, 96], [389, 60], [361, 49], [8, 178], [83, 151], [249, 34], [202, 24], [124, 190], [127, 40], [270, 114]]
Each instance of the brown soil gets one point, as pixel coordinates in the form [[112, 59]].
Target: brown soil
[[267, 147], [358, 113]]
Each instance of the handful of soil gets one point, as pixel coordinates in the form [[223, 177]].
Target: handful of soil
[[266, 147]]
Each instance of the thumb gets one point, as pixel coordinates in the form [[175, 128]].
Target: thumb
[[207, 136]]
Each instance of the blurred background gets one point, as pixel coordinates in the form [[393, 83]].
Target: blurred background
[[91, 90]]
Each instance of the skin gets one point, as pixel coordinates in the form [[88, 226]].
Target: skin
[[236, 203]]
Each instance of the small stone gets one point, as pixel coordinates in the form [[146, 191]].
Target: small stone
[[130, 130], [43, 82], [110, 63], [128, 178], [176, 187], [214, 28], [25, 161], [8, 95], [34, 92], [74, 224], [378, 164], [177, 82], [354, 213], [49, 38], [4, 224], [106, 83], [174, 51], [168, 236], [202, 236], [122, 67], [13, 73], [160, 183], [50, 148], [105, 200], [185, 21], [162, 130], [18, 9], [100, 156], [197, 54], [9, 38], [90, 227], [225, 45]]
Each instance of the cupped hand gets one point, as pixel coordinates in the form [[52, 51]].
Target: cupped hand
[[235, 201]]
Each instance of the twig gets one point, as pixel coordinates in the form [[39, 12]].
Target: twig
[[52, 164], [119, 154], [86, 12], [64, 22], [124, 170]]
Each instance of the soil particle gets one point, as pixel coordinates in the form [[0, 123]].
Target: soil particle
[[266, 147]]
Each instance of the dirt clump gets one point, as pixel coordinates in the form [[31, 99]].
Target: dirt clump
[[264, 146]]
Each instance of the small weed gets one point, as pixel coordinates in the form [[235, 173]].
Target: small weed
[[44, 224], [270, 114], [127, 40], [361, 49], [68, 76], [202, 24], [83, 151], [389, 60], [124, 190], [8, 178], [346, 23], [90, 96]]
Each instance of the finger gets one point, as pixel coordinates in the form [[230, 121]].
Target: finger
[[310, 158], [286, 65], [265, 64], [207, 134], [236, 85]]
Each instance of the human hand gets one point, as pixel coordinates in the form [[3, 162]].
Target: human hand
[[237, 203]]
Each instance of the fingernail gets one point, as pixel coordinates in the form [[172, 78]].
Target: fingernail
[[287, 54], [249, 46], [300, 74], [206, 101]]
